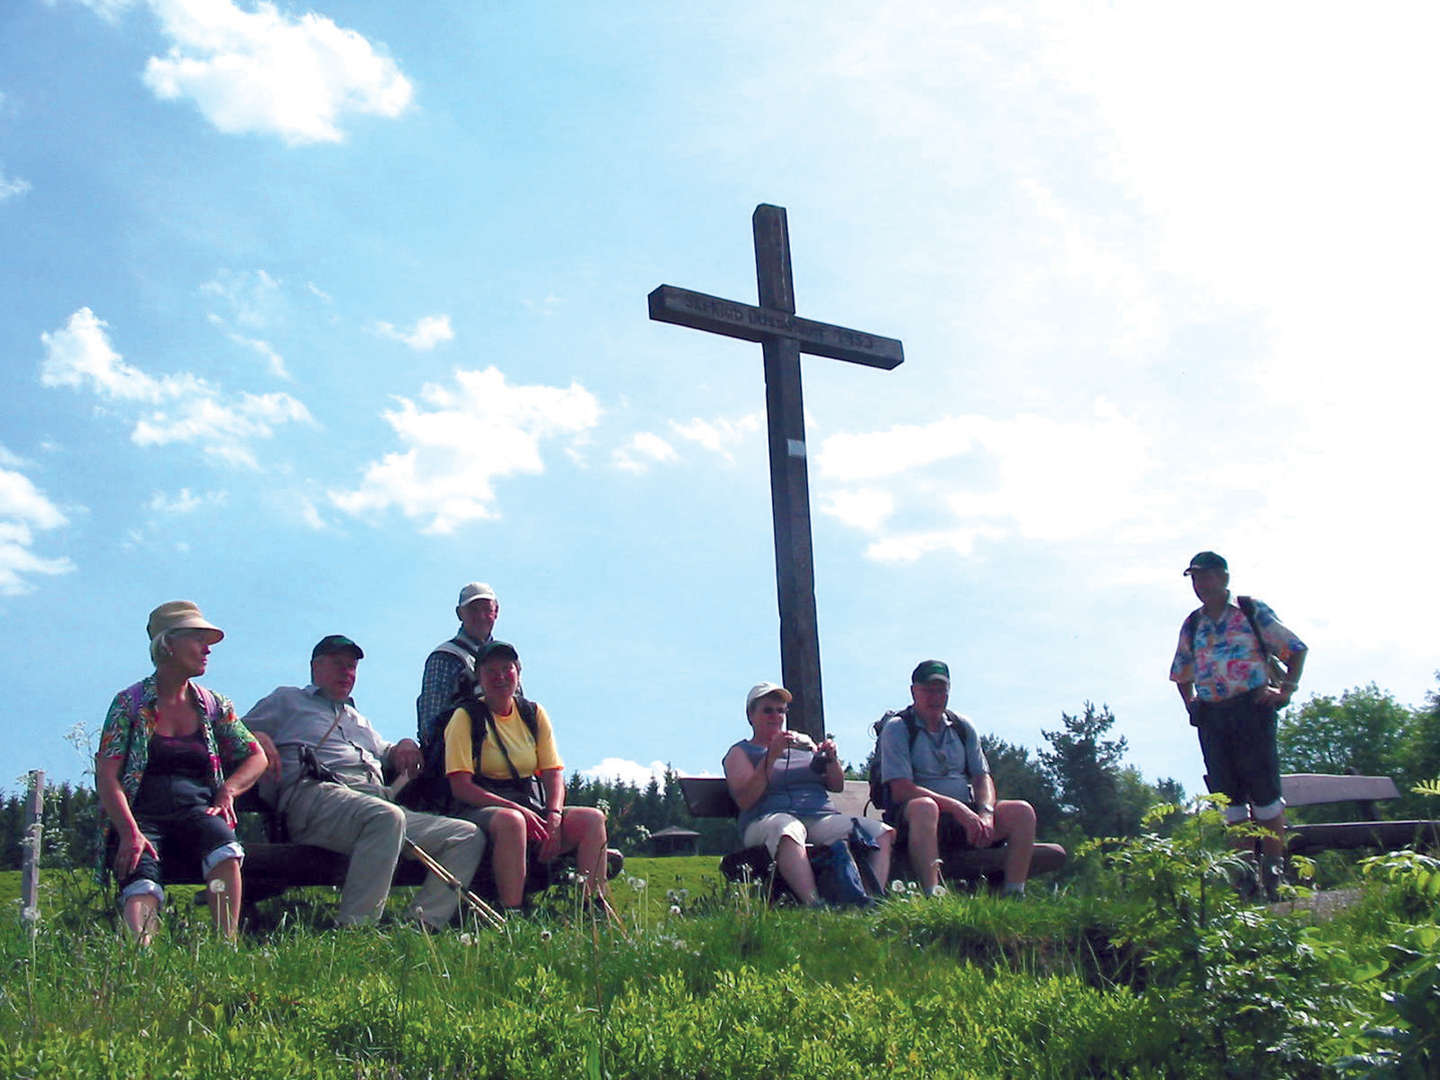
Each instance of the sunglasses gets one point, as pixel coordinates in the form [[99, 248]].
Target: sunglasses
[[774, 710]]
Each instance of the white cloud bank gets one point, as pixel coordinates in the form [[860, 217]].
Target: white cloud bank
[[175, 408], [428, 332], [269, 73], [626, 771], [24, 508], [460, 439], [1031, 476]]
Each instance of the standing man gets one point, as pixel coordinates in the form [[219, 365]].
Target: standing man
[[478, 608], [333, 796], [1223, 671], [940, 786]]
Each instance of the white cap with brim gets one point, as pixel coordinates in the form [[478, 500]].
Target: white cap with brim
[[476, 590], [765, 689]]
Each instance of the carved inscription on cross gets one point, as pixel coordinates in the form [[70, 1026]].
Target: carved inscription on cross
[[783, 337]]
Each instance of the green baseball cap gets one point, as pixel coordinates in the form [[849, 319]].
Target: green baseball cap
[[929, 671], [333, 643], [1206, 560]]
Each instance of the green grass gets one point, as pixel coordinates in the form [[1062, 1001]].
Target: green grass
[[1101, 984]]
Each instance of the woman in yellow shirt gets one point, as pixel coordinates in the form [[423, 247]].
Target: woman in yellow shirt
[[514, 781]]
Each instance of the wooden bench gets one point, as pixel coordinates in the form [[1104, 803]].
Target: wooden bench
[[277, 864], [1317, 789], [708, 796]]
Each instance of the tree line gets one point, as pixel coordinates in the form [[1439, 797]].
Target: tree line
[[1079, 784]]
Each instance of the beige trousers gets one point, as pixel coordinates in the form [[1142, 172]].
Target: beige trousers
[[372, 830]]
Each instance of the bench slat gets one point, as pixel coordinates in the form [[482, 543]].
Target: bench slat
[[1308, 789]]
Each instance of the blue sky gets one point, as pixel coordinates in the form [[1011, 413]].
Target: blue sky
[[313, 315]]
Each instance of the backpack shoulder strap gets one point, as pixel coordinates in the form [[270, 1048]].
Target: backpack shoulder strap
[[1187, 631], [459, 651], [530, 713], [1246, 604]]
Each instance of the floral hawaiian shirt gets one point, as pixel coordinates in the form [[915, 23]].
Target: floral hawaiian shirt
[[131, 721], [1224, 660]]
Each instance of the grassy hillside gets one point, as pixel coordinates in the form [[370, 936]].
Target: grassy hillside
[[1154, 969]]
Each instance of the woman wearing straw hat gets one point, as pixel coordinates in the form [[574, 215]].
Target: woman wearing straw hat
[[161, 776]]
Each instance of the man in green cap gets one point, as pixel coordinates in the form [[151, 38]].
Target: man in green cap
[[939, 786], [1231, 689]]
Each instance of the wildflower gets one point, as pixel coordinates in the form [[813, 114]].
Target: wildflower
[[939, 890], [544, 935], [216, 886], [674, 909], [467, 939], [30, 914], [897, 886]]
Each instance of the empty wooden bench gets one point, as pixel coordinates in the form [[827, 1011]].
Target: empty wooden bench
[[1318, 789], [708, 796]]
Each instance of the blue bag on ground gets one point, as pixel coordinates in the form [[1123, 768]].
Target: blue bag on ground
[[837, 877]]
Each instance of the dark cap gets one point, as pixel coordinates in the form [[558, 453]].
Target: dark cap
[[333, 643], [929, 671], [1206, 560], [496, 648]]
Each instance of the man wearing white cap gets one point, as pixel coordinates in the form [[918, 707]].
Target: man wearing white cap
[[477, 608]]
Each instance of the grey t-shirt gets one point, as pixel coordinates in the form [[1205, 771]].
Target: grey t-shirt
[[794, 787], [294, 716], [947, 762]]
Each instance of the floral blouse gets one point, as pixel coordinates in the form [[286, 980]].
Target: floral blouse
[[131, 721]]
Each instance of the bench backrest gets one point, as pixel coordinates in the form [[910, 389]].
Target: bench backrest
[[707, 796], [1310, 789]]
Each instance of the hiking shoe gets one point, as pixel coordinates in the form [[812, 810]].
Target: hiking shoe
[[1245, 880], [1272, 876]]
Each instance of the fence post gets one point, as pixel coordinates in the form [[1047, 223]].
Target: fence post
[[30, 863]]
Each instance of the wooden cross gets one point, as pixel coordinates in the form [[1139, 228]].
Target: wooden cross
[[783, 337]]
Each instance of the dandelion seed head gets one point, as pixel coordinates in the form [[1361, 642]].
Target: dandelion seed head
[[544, 935], [216, 886], [674, 909]]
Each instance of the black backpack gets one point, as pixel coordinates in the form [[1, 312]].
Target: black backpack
[[432, 786], [879, 790]]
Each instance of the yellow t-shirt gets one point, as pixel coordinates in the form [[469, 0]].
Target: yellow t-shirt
[[530, 757]]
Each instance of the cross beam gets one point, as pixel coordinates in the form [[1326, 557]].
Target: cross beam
[[783, 337]]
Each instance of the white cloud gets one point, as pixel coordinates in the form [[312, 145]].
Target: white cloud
[[643, 450], [270, 73], [719, 436], [626, 771], [1032, 477], [273, 360], [428, 332], [23, 509], [254, 297], [12, 186], [185, 501], [180, 407], [460, 439], [860, 508], [109, 10]]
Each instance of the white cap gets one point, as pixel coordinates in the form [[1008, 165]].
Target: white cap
[[763, 689], [476, 590]]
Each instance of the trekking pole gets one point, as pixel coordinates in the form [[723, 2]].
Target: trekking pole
[[484, 911]]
